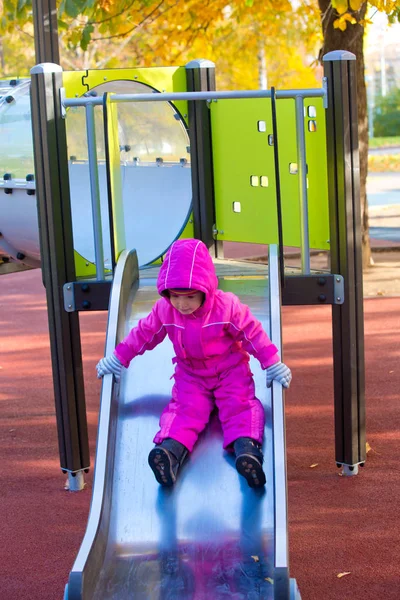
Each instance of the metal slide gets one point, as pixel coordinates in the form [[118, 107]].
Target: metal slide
[[211, 537]]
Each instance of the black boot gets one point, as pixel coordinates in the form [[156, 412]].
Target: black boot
[[166, 459], [249, 460]]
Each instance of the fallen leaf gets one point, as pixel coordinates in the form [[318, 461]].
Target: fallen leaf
[[269, 580], [313, 465], [340, 575], [255, 558], [389, 371], [380, 293], [367, 448]]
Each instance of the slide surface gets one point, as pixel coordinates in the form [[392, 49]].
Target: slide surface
[[209, 537]]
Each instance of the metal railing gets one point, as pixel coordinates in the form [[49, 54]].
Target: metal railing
[[89, 102]]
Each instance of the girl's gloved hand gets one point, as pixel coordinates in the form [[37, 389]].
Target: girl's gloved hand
[[281, 373], [107, 365]]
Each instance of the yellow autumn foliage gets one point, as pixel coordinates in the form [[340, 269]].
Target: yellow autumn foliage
[[240, 36], [341, 6], [356, 4], [341, 22]]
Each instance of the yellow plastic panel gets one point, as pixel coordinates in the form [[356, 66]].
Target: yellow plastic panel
[[168, 79], [114, 178], [74, 83], [83, 268], [162, 79], [188, 231]]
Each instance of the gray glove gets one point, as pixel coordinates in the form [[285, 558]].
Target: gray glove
[[281, 373], [107, 365]]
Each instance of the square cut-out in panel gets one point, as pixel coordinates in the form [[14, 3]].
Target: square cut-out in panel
[[237, 207], [270, 140], [254, 180], [312, 112], [312, 125], [264, 181], [262, 126], [293, 168]]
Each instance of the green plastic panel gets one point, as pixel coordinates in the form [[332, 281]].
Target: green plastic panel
[[244, 172]]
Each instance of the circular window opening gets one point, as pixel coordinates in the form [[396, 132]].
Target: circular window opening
[[156, 177]]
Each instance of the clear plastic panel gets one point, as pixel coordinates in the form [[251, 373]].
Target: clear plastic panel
[[16, 148], [149, 133], [155, 172]]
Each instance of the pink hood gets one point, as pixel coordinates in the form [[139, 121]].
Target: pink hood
[[188, 264]]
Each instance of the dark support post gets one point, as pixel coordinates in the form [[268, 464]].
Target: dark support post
[[46, 31], [58, 267], [200, 76], [346, 259]]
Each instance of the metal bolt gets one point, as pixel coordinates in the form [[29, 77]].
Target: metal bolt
[[68, 287], [69, 305], [337, 279], [135, 77], [185, 116], [222, 231], [104, 78], [339, 299]]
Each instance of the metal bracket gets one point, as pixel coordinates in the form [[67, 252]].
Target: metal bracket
[[86, 295], [313, 289]]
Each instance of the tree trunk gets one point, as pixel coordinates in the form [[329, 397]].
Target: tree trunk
[[262, 65], [352, 39]]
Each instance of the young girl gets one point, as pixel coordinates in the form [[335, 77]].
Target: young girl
[[212, 334]]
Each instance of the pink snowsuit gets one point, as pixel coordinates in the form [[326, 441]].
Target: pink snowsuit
[[212, 347]]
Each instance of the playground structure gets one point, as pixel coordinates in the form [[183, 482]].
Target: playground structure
[[216, 166], [164, 143], [159, 166]]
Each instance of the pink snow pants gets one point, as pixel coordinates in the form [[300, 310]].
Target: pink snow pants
[[195, 394]]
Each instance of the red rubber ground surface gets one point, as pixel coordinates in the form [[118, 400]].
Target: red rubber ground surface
[[337, 524]]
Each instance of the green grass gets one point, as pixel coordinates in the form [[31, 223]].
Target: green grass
[[384, 142]]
